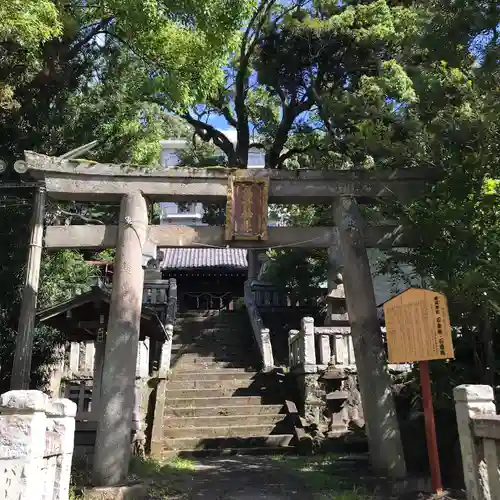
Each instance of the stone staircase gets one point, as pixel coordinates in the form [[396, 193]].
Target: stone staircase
[[216, 401]]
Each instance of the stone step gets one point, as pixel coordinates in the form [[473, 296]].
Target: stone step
[[229, 452], [211, 402], [210, 393], [193, 357], [212, 364], [211, 383], [201, 368], [227, 410], [214, 346], [196, 365], [223, 432], [225, 443], [219, 421], [207, 375]]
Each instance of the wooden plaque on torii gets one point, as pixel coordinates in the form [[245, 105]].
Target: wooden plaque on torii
[[246, 209]]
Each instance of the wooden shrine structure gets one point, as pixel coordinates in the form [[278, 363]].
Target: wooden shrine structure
[[247, 193]]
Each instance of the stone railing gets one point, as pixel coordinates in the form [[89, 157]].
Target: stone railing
[[164, 349], [268, 297], [479, 431], [312, 349], [262, 334], [36, 446]]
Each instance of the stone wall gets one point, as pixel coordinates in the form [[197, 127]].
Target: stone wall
[[36, 446]]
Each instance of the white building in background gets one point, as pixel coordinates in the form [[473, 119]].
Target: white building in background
[[191, 214]]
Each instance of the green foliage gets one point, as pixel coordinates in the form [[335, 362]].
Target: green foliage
[[63, 275], [27, 23]]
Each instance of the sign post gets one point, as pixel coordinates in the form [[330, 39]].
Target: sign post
[[418, 329]]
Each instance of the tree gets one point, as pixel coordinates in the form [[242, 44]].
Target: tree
[[27, 25], [73, 72], [163, 51]]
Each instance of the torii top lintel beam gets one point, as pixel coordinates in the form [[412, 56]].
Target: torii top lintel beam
[[82, 180]]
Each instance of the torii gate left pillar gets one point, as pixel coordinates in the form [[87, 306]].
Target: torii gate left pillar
[[112, 446]]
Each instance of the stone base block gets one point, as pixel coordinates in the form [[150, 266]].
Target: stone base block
[[133, 491]]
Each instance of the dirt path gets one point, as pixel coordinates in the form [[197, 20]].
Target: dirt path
[[329, 477], [239, 478]]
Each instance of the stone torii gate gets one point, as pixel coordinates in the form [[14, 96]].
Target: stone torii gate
[[63, 179]]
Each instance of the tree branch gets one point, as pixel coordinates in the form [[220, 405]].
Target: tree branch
[[207, 133], [296, 151], [96, 29]]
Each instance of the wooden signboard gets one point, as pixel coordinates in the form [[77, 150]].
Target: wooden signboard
[[246, 211], [418, 329], [418, 326]]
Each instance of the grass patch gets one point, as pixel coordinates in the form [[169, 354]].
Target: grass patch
[[166, 479], [325, 477]]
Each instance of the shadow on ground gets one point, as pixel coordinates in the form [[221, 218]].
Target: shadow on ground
[[328, 477]]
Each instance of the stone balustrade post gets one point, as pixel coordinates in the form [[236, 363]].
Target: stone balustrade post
[[36, 445], [324, 350], [166, 352], [63, 413], [473, 401], [22, 432], [267, 350], [308, 346], [142, 364], [292, 354]]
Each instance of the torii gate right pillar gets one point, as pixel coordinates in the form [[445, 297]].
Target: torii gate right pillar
[[386, 449]]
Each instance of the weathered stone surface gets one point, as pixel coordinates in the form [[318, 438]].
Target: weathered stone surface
[[35, 446], [18, 436], [112, 450], [66, 179], [136, 491], [23, 400], [386, 450], [473, 401], [61, 408]]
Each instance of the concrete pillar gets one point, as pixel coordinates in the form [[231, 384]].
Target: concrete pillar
[[470, 401], [308, 346], [57, 372], [74, 357], [142, 364], [21, 368], [386, 450], [325, 352], [166, 352], [112, 449], [267, 349]]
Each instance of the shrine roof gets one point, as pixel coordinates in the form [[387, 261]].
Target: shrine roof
[[56, 315], [199, 258]]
